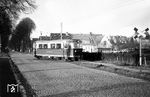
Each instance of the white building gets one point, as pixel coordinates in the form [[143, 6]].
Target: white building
[[105, 45], [87, 44]]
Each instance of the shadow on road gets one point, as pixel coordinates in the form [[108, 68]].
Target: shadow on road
[[7, 79]]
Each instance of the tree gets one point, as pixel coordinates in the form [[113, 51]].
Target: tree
[[14, 7], [9, 12], [5, 28], [23, 30], [122, 42]]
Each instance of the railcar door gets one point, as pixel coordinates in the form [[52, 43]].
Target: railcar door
[[77, 50]]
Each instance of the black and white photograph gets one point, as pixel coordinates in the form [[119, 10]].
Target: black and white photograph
[[74, 48]]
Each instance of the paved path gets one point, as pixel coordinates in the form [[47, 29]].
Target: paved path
[[61, 79]]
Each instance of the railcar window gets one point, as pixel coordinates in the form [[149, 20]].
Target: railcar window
[[66, 45], [58, 46], [40, 46], [45, 46], [52, 46]]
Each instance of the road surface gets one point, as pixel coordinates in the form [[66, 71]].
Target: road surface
[[64, 79]]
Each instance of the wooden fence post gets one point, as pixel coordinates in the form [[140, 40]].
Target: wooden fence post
[[145, 63]]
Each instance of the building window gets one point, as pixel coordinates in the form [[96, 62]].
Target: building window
[[105, 43], [58, 46], [52, 46]]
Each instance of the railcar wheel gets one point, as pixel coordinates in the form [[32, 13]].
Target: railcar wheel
[[59, 58], [56, 58], [39, 57], [52, 58], [76, 58], [64, 59], [73, 59]]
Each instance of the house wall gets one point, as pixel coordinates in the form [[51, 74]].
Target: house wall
[[105, 50], [105, 46], [105, 43]]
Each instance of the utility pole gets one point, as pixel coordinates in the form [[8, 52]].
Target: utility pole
[[61, 31], [140, 51], [61, 25]]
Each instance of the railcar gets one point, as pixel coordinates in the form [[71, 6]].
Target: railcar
[[68, 49]]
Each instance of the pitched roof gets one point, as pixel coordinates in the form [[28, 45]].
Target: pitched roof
[[44, 38], [56, 36], [81, 36], [93, 39], [105, 42]]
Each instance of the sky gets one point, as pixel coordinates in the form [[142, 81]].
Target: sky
[[108, 17]]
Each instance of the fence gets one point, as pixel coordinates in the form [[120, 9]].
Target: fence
[[121, 58]]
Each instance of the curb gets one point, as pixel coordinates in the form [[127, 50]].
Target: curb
[[21, 88], [24, 86]]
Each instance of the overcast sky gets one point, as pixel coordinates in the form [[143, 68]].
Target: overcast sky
[[111, 17]]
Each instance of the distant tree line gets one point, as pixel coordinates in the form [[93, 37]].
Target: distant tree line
[[123, 42], [9, 13], [20, 40]]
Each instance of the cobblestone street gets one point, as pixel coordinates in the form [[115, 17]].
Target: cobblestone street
[[65, 79]]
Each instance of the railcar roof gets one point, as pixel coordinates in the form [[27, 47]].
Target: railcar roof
[[53, 40]]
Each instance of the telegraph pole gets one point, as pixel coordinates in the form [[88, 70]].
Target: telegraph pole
[[61, 31], [61, 25], [140, 51]]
